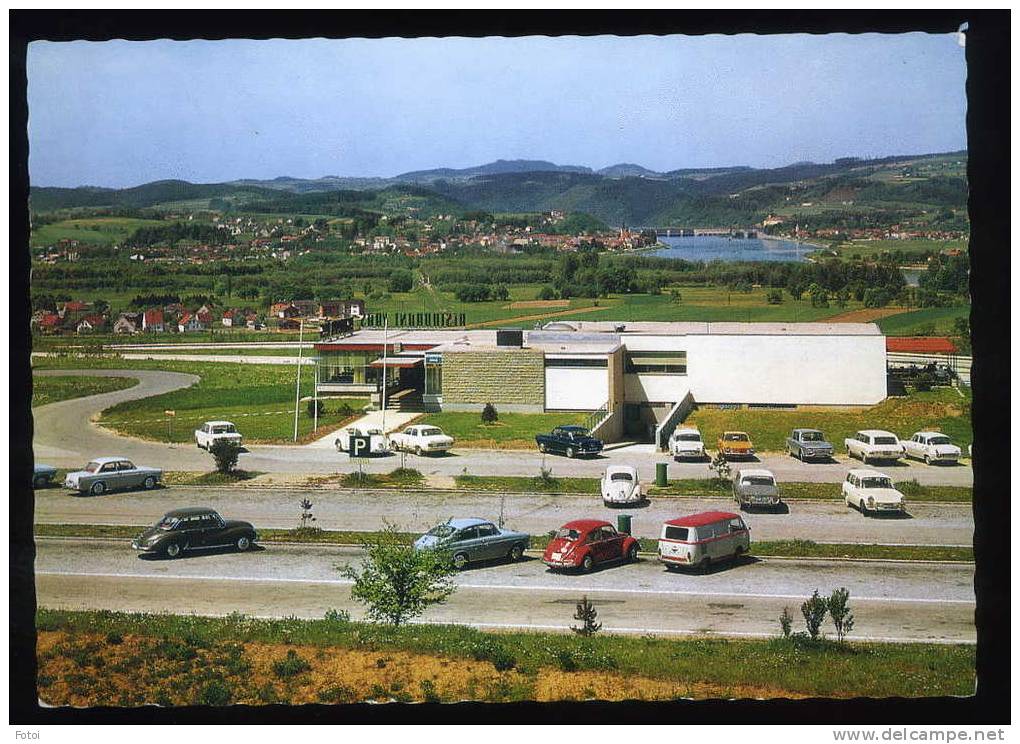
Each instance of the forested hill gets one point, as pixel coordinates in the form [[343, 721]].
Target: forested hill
[[849, 189]]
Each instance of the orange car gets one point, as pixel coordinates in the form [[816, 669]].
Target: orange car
[[735, 444]]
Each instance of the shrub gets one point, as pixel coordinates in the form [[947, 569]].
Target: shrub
[[814, 610], [721, 467], [225, 453], [586, 657], [489, 414], [216, 692], [911, 488], [494, 652], [547, 292], [588, 616], [338, 617], [291, 665], [429, 692], [114, 639], [338, 693], [306, 519], [315, 408], [786, 622], [839, 611]]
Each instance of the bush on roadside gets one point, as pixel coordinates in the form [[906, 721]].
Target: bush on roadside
[[291, 665], [225, 453], [489, 414], [814, 610], [315, 408]]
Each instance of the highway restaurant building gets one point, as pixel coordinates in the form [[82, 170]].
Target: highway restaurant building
[[636, 379]]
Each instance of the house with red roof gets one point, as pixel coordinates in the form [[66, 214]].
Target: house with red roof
[[152, 320], [190, 322]]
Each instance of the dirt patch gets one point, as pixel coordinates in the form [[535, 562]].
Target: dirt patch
[[553, 685], [528, 304], [866, 315]]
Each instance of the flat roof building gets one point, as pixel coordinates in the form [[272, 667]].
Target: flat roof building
[[638, 375]]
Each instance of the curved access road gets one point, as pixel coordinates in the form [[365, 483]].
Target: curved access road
[[65, 435]]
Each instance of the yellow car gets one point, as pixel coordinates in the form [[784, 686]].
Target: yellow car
[[735, 444]]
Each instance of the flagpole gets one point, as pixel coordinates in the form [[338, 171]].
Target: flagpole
[[297, 385]]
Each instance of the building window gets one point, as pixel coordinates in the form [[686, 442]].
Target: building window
[[575, 362], [657, 362], [433, 379]]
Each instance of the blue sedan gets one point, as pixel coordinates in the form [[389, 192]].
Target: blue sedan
[[472, 540]]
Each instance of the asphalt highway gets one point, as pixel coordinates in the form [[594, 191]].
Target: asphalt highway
[[65, 437], [927, 524], [891, 601]]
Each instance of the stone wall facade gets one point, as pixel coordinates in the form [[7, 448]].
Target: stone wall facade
[[515, 377]]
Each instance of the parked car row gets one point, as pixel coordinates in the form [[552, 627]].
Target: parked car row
[[875, 444]]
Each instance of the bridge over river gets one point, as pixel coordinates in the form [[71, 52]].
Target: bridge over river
[[689, 232]]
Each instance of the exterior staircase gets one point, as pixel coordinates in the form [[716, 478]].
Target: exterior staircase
[[406, 401]]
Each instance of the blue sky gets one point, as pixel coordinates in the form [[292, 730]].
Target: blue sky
[[122, 113]]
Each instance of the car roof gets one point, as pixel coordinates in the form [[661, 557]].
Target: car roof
[[680, 429], [216, 423], [701, 519], [584, 525], [629, 469], [190, 511], [734, 431], [104, 460], [867, 472], [459, 524], [931, 433], [876, 432], [803, 429], [756, 471], [572, 427]]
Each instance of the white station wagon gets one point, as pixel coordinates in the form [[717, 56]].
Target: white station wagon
[[871, 491], [931, 446], [214, 431]]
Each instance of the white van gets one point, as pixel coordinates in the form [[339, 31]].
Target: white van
[[703, 539]]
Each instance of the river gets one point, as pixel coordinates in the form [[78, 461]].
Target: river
[[715, 248]]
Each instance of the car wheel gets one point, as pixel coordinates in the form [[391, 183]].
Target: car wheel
[[173, 550], [149, 483], [516, 553], [243, 543], [459, 561], [705, 565], [418, 451], [542, 448], [927, 460], [570, 452], [98, 488], [632, 553], [337, 445], [587, 563]]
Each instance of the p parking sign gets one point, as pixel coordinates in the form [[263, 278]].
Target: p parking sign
[[360, 446]]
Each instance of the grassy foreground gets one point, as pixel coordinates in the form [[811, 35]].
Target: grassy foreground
[[107, 658], [53, 389], [774, 548]]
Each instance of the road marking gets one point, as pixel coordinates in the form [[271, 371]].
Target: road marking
[[504, 587]]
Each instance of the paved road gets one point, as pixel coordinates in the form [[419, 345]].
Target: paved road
[[929, 524], [891, 601], [63, 439]]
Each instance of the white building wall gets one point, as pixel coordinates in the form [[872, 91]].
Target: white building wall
[[576, 388], [802, 370]]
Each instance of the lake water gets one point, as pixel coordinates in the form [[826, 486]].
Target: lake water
[[715, 248]]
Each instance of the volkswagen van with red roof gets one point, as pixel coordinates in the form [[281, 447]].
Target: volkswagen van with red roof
[[586, 543], [703, 539]]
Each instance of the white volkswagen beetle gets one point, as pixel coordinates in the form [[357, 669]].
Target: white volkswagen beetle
[[620, 485]]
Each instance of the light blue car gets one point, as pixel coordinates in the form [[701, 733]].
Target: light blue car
[[473, 540]]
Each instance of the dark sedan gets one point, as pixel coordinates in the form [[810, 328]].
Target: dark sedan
[[195, 528], [571, 441]]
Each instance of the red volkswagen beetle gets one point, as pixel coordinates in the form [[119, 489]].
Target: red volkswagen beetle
[[586, 542]]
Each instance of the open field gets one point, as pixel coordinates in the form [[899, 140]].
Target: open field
[[938, 320], [511, 431], [52, 389], [258, 398], [97, 658], [874, 248], [940, 410], [95, 230], [220, 335]]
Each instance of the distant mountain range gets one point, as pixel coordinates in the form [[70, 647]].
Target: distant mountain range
[[625, 193]]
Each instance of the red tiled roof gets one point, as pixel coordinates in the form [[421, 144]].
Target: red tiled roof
[[920, 345], [49, 320], [153, 317]]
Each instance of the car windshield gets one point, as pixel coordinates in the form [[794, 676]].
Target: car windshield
[[689, 438], [939, 440], [734, 437], [168, 523], [443, 530], [876, 483], [811, 436], [564, 534], [92, 467], [758, 480], [431, 432], [224, 429], [620, 477], [886, 440]]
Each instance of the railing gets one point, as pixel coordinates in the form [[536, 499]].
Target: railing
[[676, 415], [595, 417]]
